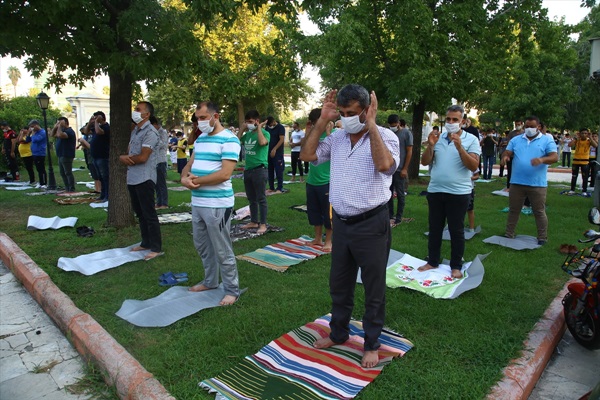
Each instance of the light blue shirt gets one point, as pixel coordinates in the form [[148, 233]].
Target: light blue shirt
[[523, 173], [448, 173]]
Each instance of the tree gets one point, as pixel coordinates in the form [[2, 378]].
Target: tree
[[18, 111], [14, 75]]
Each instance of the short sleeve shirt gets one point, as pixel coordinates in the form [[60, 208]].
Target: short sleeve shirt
[[256, 155], [100, 144], [523, 173], [275, 134], [146, 136], [66, 147], [297, 137], [209, 153], [448, 173], [356, 186], [405, 137]]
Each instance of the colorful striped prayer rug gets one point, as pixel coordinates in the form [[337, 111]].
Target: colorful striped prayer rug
[[280, 256], [290, 367]]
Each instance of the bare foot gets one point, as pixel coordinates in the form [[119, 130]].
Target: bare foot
[[370, 359], [456, 274], [250, 225], [153, 254], [426, 267], [199, 288], [139, 248], [327, 247], [269, 191], [228, 300], [316, 242], [323, 343], [293, 179], [262, 229]]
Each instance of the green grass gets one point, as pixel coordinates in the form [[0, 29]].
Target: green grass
[[461, 346]]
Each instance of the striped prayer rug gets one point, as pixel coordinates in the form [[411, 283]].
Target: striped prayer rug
[[291, 368], [280, 256]]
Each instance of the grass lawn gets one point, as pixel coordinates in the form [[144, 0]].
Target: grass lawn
[[461, 345]]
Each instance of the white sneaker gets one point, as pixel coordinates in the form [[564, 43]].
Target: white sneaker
[[37, 185], [43, 187]]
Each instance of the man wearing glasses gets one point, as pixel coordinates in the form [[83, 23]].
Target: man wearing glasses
[[453, 155]]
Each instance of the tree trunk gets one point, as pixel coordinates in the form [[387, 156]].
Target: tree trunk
[[240, 113], [417, 130], [120, 213]]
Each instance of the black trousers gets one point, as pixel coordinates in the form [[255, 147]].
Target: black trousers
[[142, 201], [28, 161], [450, 207], [39, 162], [365, 244], [297, 163]]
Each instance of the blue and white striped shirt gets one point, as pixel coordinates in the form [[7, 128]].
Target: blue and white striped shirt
[[209, 153]]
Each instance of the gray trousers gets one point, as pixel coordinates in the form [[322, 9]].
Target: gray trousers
[[255, 185], [65, 166], [213, 244]]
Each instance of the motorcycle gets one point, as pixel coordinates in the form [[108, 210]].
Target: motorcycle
[[581, 303]]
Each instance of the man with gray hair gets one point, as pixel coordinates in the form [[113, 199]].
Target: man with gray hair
[[363, 158], [453, 155]]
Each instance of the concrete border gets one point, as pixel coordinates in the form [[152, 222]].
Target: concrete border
[[522, 374], [92, 341]]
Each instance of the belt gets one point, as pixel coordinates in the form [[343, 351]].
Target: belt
[[361, 217]]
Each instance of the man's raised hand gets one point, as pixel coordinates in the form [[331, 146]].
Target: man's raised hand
[[329, 110]]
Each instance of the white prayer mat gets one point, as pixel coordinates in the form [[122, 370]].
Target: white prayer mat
[[242, 213], [39, 223], [175, 218], [89, 185], [484, 180], [178, 188], [291, 182], [170, 306], [90, 264], [77, 169], [99, 205], [240, 194], [468, 235], [13, 183], [500, 193], [21, 187], [520, 242]]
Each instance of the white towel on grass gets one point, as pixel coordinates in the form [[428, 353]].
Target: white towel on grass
[[170, 306], [13, 183], [90, 264], [520, 242], [39, 223], [500, 193], [99, 205], [19, 187]]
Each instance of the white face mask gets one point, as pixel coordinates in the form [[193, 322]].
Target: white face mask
[[463, 126], [352, 124], [251, 127], [205, 127], [394, 128], [518, 127], [531, 132], [136, 116], [452, 128]]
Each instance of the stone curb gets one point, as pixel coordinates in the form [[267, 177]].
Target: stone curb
[[522, 374], [93, 342]]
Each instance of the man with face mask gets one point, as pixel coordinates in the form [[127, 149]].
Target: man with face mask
[[208, 175], [141, 178], [99, 130], [400, 178], [531, 153], [363, 158], [454, 155], [276, 163]]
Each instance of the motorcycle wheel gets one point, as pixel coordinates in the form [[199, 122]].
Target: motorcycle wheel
[[587, 333]]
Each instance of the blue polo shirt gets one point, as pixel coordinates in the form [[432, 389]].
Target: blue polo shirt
[[524, 150], [448, 173]]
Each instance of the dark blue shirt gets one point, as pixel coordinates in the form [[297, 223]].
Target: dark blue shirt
[[66, 147], [276, 132], [100, 144]]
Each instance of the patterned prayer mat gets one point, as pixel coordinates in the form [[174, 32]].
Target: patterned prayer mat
[[74, 200], [75, 194], [237, 233], [290, 367], [175, 218], [580, 194], [281, 256]]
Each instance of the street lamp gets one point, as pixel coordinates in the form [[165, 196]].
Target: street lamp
[[43, 102]]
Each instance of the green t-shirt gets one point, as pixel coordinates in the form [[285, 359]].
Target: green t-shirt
[[256, 155], [319, 174]]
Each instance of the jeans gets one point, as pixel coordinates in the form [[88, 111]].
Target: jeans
[[65, 166], [162, 195], [276, 166], [40, 165], [142, 201], [488, 165], [101, 165], [255, 184], [398, 186], [452, 208], [537, 197]]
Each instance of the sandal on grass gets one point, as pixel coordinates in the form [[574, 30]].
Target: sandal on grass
[[177, 275], [171, 280]]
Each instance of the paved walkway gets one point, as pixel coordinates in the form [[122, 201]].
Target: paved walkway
[[36, 360]]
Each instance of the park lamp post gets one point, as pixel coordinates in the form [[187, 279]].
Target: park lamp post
[[43, 102]]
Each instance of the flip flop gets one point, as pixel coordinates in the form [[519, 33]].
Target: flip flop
[[178, 275], [153, 257], [171, 281]]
